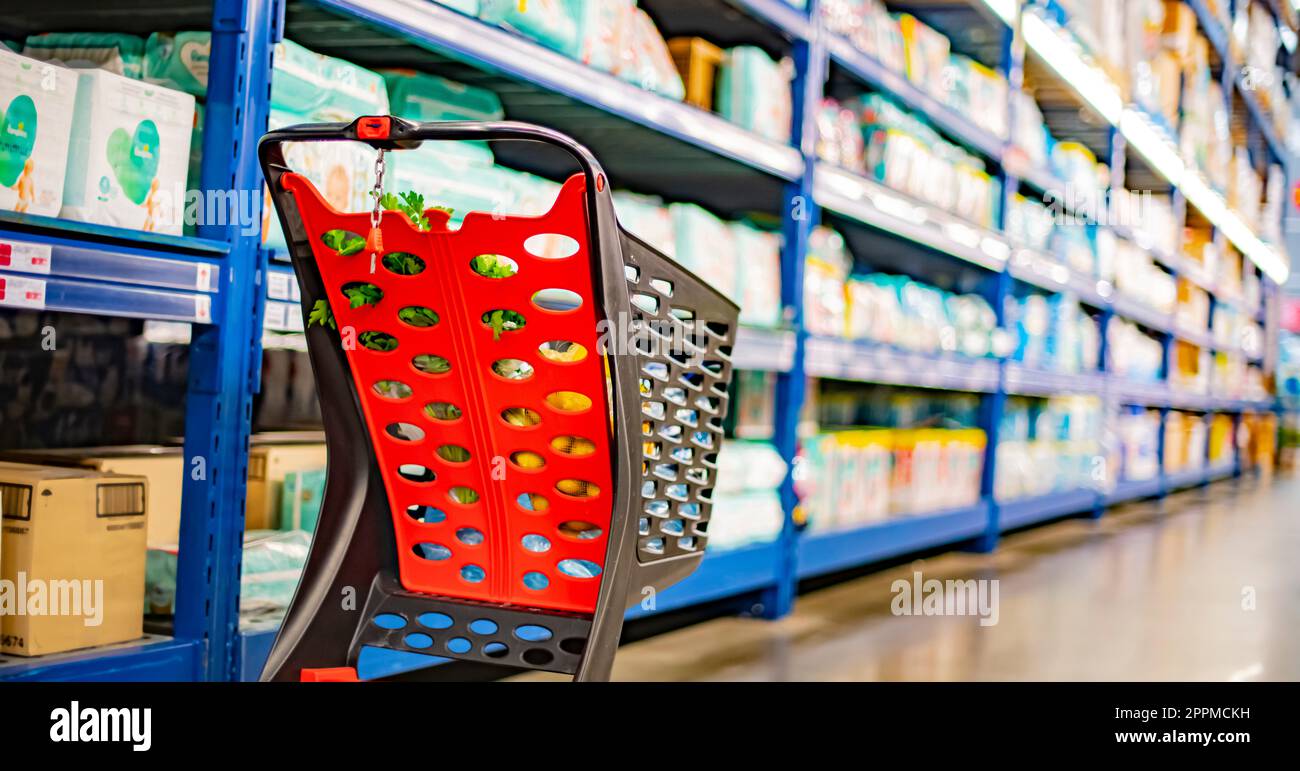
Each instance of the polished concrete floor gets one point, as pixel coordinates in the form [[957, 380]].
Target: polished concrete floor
[[1202, 586]]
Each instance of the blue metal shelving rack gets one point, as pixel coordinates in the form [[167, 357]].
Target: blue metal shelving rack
[[222, 281]]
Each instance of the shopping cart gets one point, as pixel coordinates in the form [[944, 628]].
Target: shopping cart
[[517, 454]]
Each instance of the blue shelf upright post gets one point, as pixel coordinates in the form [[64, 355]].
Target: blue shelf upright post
[[993, 405], [798, 217], [225, 359]]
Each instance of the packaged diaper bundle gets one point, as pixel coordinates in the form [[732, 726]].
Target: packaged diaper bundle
[[606, 29], [179, 60], [748, 466], [553, 23], [117, 53], [706, 246], [826, 269], [754, 92], [745, 519], [36, 105], [758, 268], [647, 62], [129, 153], [927, 54]]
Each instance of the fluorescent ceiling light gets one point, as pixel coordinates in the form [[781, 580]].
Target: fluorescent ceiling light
[[1062, 55]]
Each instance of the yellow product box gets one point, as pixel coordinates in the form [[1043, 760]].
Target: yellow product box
[[926, 54], [271, 458], [72, 558]]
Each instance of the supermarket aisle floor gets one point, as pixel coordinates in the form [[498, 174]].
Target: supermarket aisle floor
[[1152, 591]]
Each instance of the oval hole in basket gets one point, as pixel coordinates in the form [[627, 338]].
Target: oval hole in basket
[[470, 536], [533, 502], [444, 411], [417, 316], [377, 341], [414, 472], [536, 581], [520, 417], [577, 488], [359, 293], [394, 390], [403, 263], [527, 460], [551, 246], [425, 515], [557, 300], [431, 364], [568, 401], [435, 620], [502, 320], [453, 453], [533, 633], [404, 432], [576, 568], [344, 242], [579, 530], [562, 351], [574, 446], [512, 369], [494, 266], [463, 495], [434, 552]]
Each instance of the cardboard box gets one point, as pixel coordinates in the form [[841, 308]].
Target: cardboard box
[[164, 467], [268, 464], [36, 100], [71, 560]]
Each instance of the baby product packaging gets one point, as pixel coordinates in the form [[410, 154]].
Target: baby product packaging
[[179, 60], [118, 53], [36, 100], [129, 155]]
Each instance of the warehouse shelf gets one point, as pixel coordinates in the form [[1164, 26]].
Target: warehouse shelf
[[1133, 490], [827, 552], [871, 203], [467, 39], [150, 659], [28, 292], [1022, 512], [871, 72], [1094, 87], [873, 363], [1044, 272], [37, 255], [651, 144], [1179, 480], [1029, 381], [92, 235]]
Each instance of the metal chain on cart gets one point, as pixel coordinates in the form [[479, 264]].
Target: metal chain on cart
[[375, 240]]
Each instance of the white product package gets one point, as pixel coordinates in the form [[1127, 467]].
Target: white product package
[[129, 154], [36, 101]]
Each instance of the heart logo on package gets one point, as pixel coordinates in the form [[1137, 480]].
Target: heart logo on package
[[134, 159], [17, 138]]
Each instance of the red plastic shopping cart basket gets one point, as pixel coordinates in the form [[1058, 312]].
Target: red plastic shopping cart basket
[[522, 417]]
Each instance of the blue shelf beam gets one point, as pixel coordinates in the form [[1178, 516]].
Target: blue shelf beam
[[151, 659], [1022, 512], [827, 552]]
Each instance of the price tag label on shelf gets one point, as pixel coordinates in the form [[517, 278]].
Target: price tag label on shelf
[[24, 257], [202, 309], [203, 277], [18, 292]]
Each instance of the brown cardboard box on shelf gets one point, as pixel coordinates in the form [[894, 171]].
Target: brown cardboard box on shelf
[[273, 455], [71, 558], [1179, 28], [697, 61], [162, 466]]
